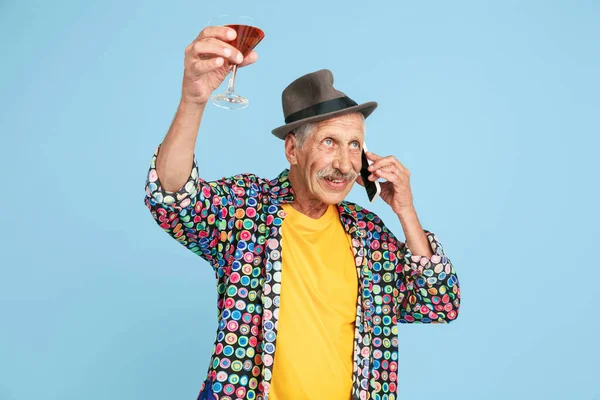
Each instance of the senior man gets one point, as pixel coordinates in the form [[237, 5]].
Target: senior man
[[310, 286]]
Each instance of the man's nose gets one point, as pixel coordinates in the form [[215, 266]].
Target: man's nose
[[342, 162]]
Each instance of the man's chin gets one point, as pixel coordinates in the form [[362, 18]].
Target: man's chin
[[329, 196]]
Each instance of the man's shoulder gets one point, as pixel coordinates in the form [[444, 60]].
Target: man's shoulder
[[369, 221], [361, 213], [244, 179], [254, 182]]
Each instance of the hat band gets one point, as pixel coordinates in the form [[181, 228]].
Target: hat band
[[321, 108]]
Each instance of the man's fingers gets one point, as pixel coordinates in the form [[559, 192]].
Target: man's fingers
[[383, 162], [387, 175], [219, 32], [372, 156], [388, 167], [215, 41], [249, 59], [200, 67], [209, 48], [379, 162]]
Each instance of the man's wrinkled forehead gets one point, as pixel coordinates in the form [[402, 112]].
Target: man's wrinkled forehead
[[345, 125]]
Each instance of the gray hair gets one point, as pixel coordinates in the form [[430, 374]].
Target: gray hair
[[302, 132]]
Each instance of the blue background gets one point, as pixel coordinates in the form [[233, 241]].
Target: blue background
[[493, 107]]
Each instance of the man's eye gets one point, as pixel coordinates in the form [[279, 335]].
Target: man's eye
[[356, 145], [328, 142]]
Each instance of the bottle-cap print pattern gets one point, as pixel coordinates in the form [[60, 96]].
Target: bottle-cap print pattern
[[234, 224]]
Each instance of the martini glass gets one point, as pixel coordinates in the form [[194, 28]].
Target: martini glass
[[248, 36]]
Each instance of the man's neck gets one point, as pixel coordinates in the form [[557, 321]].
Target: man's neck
[[313, 208], [314, 212]]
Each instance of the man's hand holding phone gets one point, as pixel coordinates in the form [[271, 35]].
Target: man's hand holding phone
[[396, 192]]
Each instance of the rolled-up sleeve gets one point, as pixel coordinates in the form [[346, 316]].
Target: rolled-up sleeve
[[428, 290], [174, 200], [197, 215]]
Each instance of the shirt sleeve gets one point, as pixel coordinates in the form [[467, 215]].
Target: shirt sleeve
[[427, 288], [199, 215]]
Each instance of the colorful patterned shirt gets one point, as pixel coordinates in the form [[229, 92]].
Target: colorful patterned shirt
[[235, 224]]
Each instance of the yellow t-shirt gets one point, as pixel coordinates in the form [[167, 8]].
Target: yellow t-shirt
[[319, 289]]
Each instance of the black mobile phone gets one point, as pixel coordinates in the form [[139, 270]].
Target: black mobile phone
[[372, 187]]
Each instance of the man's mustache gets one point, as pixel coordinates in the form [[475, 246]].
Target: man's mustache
[[336, 174]]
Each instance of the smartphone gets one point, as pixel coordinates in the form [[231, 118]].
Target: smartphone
[[372, 187]]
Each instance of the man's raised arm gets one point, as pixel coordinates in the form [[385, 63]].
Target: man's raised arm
[[206, 64], [188, 208]]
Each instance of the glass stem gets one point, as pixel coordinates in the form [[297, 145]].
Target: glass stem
[[232, 79]]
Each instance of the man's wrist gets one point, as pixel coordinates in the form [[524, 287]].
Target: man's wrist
[[406, 211], [188, 106]]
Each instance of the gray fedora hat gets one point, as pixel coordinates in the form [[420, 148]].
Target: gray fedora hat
[[313, 98]]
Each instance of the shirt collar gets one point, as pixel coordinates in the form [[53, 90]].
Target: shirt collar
[[280, 188]]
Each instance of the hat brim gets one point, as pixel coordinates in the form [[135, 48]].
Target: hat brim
[[366, 109]]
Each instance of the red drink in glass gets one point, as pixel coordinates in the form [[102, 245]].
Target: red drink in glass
[[247, 37]]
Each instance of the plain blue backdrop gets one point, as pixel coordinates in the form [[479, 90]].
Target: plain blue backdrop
[[493, 106]]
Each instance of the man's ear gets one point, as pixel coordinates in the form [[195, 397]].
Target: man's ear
[[291, 148]]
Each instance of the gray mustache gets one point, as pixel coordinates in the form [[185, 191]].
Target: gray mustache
[[336, 174]]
